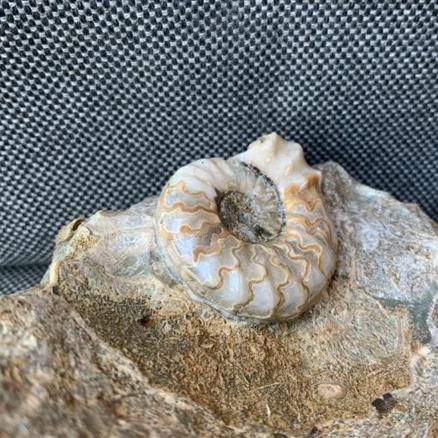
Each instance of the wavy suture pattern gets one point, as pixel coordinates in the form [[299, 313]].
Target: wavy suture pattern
[[271, 280]]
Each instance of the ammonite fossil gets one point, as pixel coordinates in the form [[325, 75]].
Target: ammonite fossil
[[249, 236]]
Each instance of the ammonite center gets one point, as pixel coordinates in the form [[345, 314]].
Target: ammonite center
[[252, 212]]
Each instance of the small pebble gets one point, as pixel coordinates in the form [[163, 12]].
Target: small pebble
[[331, 391]]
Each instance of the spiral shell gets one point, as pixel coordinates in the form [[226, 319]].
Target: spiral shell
[[249, 236]]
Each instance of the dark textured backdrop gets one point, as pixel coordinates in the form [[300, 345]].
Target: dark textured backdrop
[[102, 100]]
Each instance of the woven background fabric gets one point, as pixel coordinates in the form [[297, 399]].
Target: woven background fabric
[[102, 100]]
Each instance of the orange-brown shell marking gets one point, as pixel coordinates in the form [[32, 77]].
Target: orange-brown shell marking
[[249, 236]]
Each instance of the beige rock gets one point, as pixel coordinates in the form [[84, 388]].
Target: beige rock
[[106, 347]]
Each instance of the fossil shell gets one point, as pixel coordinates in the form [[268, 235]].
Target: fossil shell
[[249, 236]]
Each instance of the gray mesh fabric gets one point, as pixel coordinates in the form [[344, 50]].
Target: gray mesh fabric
[[13, 278], [102, 100]]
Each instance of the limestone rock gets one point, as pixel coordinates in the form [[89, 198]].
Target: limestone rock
[[92, 353]]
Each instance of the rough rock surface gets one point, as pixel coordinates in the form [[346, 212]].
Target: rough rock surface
[[88, 354]]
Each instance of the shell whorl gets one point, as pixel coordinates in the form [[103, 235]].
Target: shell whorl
[[249, 236]]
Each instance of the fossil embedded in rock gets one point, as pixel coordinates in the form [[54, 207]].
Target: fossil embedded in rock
[[249, 236]]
